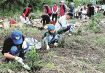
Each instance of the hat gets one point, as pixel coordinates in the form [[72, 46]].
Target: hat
[[16, 36], [51, 27]]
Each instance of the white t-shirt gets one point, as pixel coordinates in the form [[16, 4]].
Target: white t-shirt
[[62, 22]]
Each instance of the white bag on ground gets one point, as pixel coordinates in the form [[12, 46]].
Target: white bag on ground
[[33, 43]]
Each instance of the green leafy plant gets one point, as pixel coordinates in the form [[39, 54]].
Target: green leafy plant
[[33, 57], [33, 60]]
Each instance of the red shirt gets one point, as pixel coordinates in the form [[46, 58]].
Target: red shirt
[[26, 12], [54, 8], [47, 9], [62, 10]]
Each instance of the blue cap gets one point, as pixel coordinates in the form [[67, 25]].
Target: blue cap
[[16, 36], [51, 27]]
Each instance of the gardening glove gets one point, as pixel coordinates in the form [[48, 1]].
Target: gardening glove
[[20, 60], [47, 47], [56, 44], [26, 67]]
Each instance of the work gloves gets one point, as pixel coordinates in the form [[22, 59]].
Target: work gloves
[[20, 60], [47, 47]]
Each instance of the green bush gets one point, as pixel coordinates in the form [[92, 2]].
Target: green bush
[[32, 57]]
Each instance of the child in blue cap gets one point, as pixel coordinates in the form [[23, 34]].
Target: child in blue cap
[[14, 46], [51, 37]]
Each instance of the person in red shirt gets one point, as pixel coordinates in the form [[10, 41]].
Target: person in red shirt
[[24, 18], [46, 14], [62, 8], [47, 9], [54, 12]]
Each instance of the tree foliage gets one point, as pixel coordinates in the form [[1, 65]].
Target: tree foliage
[[13, 6]]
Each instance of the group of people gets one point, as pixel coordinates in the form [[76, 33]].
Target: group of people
[[15, 46], [86, 11], [51, 14]]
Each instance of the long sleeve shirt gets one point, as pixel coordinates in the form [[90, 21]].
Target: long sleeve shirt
[[62, 22]]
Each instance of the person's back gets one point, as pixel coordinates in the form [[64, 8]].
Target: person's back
[[63, 21], [60, 23], [47, 9]]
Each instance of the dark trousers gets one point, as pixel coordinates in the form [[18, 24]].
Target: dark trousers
[[45, 19], [50, 14], [54, 16]]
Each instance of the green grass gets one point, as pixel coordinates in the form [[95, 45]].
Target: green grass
[[101, 66], [50, 65]]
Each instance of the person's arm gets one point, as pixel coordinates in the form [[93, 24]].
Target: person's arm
[[64, 29], [45, 42], [60, 31], [9, 56]]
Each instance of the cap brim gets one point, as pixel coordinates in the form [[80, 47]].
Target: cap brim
[[17, 42]]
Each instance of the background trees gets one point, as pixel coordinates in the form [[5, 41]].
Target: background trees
[[14, 6]]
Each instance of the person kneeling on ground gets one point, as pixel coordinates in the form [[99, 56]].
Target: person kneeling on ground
[[25, 15], [63, 23], [52, 37], [14, 48]]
